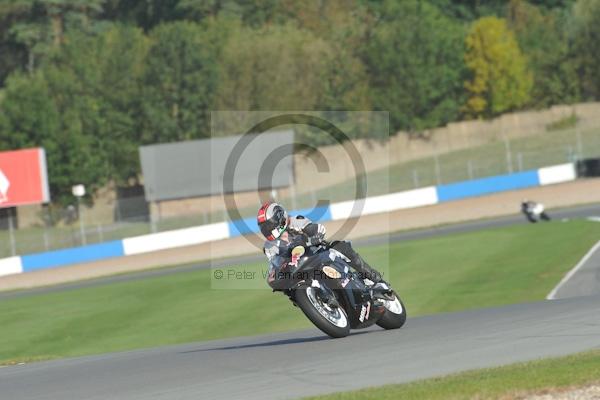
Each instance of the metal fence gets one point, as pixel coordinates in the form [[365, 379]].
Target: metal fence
[[129, 215]]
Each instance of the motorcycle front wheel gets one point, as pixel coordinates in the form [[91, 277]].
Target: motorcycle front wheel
[[331, 320]]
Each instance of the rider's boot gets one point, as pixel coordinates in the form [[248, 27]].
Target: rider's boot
[[370, 273], [358, 263]]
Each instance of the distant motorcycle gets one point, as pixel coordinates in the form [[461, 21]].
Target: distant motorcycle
[[333, 296], [534, 212]]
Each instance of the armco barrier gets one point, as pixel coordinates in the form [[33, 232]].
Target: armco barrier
[[207, 233]]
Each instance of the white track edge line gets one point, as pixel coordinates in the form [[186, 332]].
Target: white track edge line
[[572, 272]]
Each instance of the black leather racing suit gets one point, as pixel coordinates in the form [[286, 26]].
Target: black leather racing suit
[[301, 229]]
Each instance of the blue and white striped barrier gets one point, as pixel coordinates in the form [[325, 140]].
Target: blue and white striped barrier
[[337, 211]]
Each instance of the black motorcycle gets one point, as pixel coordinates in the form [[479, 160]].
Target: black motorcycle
[[320, 281]]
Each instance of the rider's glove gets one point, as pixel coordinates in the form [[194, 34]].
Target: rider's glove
[[314, 241]]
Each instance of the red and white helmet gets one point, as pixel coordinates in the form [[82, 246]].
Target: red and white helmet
[[272, 220]]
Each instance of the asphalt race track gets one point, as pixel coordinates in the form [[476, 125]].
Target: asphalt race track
[[307, 363], [584, 279], [566, 213]]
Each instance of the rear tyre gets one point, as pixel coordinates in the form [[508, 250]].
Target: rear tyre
[[331, 320], [545, 216], [395, 314]]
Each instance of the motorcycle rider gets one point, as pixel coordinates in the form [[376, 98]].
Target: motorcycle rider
[[534, 211], [284, 232]]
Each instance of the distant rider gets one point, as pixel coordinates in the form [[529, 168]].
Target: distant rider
[[534, 211], [283, 233]]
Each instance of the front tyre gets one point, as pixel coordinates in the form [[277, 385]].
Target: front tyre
[[395, 314], [331, 320]]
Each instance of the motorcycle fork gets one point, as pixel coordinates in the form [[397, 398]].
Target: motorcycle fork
[[327, 295]]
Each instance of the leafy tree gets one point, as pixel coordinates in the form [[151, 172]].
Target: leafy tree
[[180, 81], [470, 10], [286, 68], [43, 23], [500, 79], [541, 35], [201, 10], [99, 80], [144, 14], [257, 13], [332, 20], [13, 54], [346, 83], [276, 68], [82, 107], [585, 37], [71, 156], [414, 63], [556, 4]]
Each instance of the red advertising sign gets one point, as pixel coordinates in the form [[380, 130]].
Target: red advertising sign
[[23, 178]]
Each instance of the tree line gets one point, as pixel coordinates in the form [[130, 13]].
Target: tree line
[[91, 80]]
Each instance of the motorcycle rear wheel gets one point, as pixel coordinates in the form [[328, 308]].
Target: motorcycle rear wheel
[[331, 320], [395, 314]]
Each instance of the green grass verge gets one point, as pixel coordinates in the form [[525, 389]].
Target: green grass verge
[[513, 381], [479, 269]]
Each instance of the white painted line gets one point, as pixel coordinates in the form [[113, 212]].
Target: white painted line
[[572, 272]]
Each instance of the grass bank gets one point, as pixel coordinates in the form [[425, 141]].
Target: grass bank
[[509, 382]]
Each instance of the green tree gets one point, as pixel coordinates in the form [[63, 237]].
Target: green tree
[[287, 68], [275, 68], [500, 80], [585, 37], [180, 81], [470, 10], [14, 55], [42, 24], [414, 63], [541, 34], [98, 79], [82, 106], [30, 118], [343, 26]]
